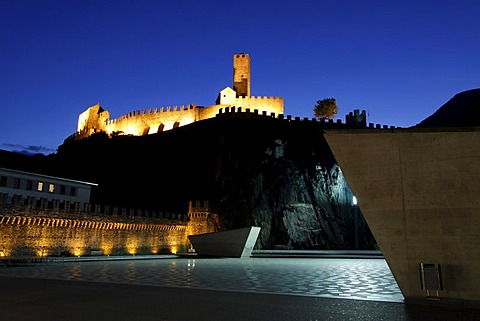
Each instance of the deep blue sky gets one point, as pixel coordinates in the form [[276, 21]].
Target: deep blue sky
[[399, 60]]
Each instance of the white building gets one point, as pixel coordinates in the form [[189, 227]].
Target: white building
[[25, 184]]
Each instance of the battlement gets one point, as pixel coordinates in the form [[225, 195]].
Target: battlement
[[153, 111], [18, 205], [355, 119], [260, 102], [41, 227], [155, 120], [235, 102], [240, 98]]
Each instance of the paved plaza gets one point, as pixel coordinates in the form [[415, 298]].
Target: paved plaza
[[173, 288], [363, 279]]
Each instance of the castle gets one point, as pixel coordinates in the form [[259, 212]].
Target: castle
[[151, 121]]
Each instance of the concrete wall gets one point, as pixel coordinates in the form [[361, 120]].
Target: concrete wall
[[419, 192]]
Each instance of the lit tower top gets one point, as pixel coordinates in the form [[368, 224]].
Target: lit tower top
[[241, 74]]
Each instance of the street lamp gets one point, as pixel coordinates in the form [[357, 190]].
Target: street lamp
[[355, 214]]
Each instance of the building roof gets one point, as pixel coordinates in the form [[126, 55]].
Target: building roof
[[47, 176]]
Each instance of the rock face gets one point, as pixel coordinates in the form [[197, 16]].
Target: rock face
[[260, 171], [299, 202]]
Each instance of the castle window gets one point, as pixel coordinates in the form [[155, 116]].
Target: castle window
[[243, 55], [62, 189], [238, 56], [29, 186], [51, 188], [73, 191], [16, 183], [3, 180], [40, 186]]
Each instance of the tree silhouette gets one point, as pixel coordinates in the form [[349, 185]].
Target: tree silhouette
[[325, 108]]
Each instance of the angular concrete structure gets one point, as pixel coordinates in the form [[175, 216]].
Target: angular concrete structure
[[234, 243], [419, 190]]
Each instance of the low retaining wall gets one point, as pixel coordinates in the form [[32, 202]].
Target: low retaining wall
[[40, 236]]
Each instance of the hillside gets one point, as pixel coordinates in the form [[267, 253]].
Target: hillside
[[462, 110], [255, 170]]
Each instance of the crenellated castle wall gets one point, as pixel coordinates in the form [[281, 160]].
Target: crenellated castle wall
[[36, 235], [355, 119], [152, 120], [268, 104], [239, 101], [155, 120], [53, 228]]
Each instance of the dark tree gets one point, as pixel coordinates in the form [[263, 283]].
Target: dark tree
[[325, 108]]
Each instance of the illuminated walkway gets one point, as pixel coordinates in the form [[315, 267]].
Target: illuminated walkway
[[361, 279]]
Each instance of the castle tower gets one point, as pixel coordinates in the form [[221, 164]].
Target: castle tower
[[241, 74]]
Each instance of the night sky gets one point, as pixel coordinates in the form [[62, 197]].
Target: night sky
[[398, 60]]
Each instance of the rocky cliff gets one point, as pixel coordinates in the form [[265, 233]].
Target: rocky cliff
[[276, 174], [290, 186]]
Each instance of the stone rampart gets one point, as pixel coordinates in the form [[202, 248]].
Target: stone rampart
[[32, 227], [268, 104], [152, 120], [352, 120]]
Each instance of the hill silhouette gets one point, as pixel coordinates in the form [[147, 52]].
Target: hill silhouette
[[463, 110]]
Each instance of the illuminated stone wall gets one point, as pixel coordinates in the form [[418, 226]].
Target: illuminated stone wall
[[267, 104], [43, 236], [201, 218], [28, 231], [241, 74], [92, 118], [154, 120]]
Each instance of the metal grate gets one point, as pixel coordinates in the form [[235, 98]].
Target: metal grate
[[431, 279]]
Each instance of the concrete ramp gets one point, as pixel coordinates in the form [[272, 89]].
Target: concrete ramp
[[234, 243]]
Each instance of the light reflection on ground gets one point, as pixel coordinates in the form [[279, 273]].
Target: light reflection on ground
[[362, 279]]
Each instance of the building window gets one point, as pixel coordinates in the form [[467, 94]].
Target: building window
[[40, 186], [62, 189], [29, 186], [73, 191], [3, 180], [51, 188], [16, 183]]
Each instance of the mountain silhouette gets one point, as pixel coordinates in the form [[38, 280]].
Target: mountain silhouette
[[463, 110]]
